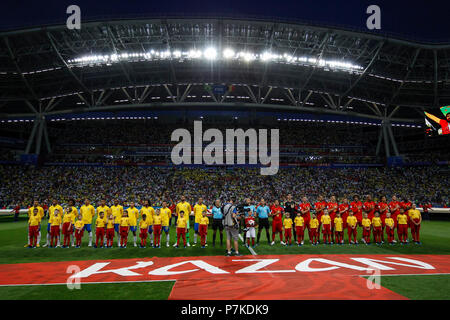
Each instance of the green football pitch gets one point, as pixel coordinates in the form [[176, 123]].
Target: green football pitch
[[435, 237]]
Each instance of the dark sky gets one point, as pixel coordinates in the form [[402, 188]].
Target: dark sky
[[421, 20]]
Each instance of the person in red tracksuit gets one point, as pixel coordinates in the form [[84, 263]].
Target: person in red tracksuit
[[383, 209], [305, 210], [356, 207], [369, 207], [277, 222], [332, 207], [319, 206]]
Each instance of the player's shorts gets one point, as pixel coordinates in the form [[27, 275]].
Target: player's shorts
[[133, 228], [116, 227], [263, 223], [217, 224], [277, 226], [251, 233], [87, 227], [165, 229], [150, 229], [48, 227], [196, 224]]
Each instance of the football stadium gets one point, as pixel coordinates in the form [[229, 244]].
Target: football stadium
[[222, 158]]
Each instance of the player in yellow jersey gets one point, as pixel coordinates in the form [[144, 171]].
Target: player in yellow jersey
[[352, 223], [75, 216], [110, 230], [143, 226], [366, 224], [377, 226], [402, 227], [415, 219], [33, 226], [55, 223], [181, 228], [287, 224], [390, 225], [299, 223], [51, 211], [88, 213], [100, 225], [40, 215], [184, 206], [117, 211], [157, 227], [203, 228], [326, 226], [150, 213], [67, 226], [133, 214], [339, 229], [199, 207], [313, 228], [166, 215], [124, 227]]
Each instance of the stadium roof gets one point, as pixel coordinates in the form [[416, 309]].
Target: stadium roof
[[219, 63]]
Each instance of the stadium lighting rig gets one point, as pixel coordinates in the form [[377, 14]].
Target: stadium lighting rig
[[211, 54]]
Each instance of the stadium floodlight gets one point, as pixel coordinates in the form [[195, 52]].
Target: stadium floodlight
[[210, 53], [228, 53]]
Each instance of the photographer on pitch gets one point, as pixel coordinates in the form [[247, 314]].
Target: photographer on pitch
[[231, 219]]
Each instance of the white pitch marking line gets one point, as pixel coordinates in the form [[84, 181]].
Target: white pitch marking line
[[253, 252], [64, 283], [407, 274]]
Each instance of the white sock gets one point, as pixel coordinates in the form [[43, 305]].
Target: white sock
[[90, 238], [151, 238], [48, 239], [73, 240], [134, 238], [38, 237], [118, 240], [58, 243], [28, 238], [195, 238], [167, 237]]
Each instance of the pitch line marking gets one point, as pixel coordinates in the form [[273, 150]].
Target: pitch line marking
[[407, 274], [64, 283], [252, 251]]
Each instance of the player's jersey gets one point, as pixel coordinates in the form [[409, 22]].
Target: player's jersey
[[366, 222], [157, 220], [204, 220], [185, 207], [356, 207], [314, 223], [299, 221], [51, 210], [376, 221], [250, 222], [287, 223], [394, 207], [124, 222], [325, 219], [198, 212], [74, 212], [55, 220], [338, 224], [87, 213], [100, 222], [352, 221], [369, 208], [319, 206], [133, 214], [166, 214], [117, 212], [40, 211], [181, 222], [105, 209], [383, 208], [34, 220], [110, 223], [414, 214], [402, 218], [305, 211], [68, 217], [343, 209], [149, 212], [144, 224], [389, 222], [277, 213]]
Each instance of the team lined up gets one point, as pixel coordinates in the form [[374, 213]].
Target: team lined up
[[292, 220]]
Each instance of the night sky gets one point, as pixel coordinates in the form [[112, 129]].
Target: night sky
[[416, 20]]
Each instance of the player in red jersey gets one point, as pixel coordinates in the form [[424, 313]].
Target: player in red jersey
[[369, 207], [394, 207], [305, 211], [319, 206], [406, 205], [332, 207], [383, 209], [277, 221], [356, 207], [344, 210]]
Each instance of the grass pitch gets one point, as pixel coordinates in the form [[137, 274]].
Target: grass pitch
[[435, 236]]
